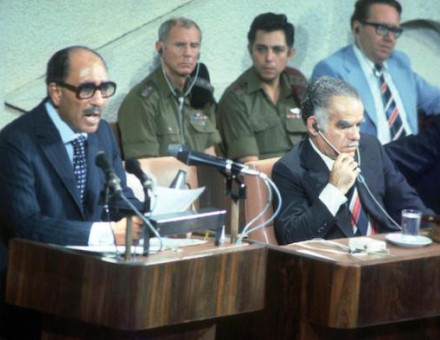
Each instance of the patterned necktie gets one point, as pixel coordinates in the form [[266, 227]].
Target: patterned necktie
[[392, 112], [80, 165], [358, 218]]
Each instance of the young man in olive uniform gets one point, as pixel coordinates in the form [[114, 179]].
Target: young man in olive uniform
[[258, 114], [174, 104]]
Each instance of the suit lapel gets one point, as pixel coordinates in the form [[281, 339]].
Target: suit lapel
[[369, 169], [52, 146], [93, 181], [317, 178], [400, 80], [356, 77]]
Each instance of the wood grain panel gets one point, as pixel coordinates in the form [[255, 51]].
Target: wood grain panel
[[199, 283]]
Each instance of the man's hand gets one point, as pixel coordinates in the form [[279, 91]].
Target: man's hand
[[121, 226], [344, 172]]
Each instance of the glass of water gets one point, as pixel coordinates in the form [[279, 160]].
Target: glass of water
[[411, 222]]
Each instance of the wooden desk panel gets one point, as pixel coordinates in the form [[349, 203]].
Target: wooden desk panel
[[395, 296], [201, 282]]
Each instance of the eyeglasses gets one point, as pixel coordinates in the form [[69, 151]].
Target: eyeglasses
[[88, 90], [383, 30]]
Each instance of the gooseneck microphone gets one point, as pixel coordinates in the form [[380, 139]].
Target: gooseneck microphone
[[190, 157], [113, 181], [132, 166]]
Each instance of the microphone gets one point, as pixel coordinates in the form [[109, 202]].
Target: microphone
[[179, 181], [133, 167], [113, 181], [318, 131], [190, 157]]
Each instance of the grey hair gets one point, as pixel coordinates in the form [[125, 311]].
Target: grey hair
[[165, 28], [318, 95]]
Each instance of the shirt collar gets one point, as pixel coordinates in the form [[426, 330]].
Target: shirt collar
[[327, 160], [65, 131], [254, 83], [164, 87], [366, 64]]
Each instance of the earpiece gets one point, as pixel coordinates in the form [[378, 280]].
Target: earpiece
[[316, 127], [160, 51], [356, 30]]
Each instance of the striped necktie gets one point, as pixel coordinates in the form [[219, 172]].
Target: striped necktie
[[392, 112], [359, 220], [80, 165]]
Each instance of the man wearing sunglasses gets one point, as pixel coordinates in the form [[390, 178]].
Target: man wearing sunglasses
[[50, 187], [41, 197], [392, 93]]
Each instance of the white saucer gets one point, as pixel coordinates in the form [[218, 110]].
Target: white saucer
[[408, 241]]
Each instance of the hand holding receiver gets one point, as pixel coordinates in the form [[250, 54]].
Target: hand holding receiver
[[344, 172]]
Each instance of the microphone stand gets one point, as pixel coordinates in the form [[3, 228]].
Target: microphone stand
[[236, 196], [105, 198], [145, 233]]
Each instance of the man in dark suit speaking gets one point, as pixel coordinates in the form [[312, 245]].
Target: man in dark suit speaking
[[49, 184], [45, 195], [338, 183]]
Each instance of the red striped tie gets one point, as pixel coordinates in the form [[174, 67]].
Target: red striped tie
[[392, 112], [359, 220]]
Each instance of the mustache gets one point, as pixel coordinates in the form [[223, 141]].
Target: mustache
[[93, 111]]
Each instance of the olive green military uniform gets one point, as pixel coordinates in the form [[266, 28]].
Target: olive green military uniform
[[149, 120], [250, 124]]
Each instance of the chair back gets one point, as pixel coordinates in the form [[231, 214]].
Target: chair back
[[164, 169], [256, 200]]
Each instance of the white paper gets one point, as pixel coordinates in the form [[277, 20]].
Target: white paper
[[168, 243], [165, 200]]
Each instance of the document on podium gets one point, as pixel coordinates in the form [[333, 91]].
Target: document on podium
[[168, 243], [165, 200]]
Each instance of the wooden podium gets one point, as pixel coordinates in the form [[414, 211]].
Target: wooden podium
[[320, 294], [173, 294]]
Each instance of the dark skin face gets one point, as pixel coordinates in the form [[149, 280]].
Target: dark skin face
[[81, 115]]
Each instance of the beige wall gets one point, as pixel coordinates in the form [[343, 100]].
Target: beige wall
[[124, 31]]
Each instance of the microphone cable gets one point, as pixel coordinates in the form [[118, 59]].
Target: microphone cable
[[359, 178], [145, 220], [269, 186], [181, 100]]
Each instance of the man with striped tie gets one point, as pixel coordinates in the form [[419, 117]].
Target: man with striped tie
[[338, 182], [391, 92]]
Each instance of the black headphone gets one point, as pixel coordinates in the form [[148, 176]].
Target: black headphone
[[316, 127], [356, 30]]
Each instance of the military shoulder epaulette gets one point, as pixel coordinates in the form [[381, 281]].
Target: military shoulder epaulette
[[296, 78], [147, 89], [239, 86]]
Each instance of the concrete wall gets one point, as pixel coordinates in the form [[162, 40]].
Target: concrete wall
[[124, 31]]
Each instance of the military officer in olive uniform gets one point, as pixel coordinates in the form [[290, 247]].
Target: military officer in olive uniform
[[175, 103], [258, 115]]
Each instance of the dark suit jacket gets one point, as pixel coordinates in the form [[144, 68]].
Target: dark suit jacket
[[38, 195], [418, 158], [301, 175]]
